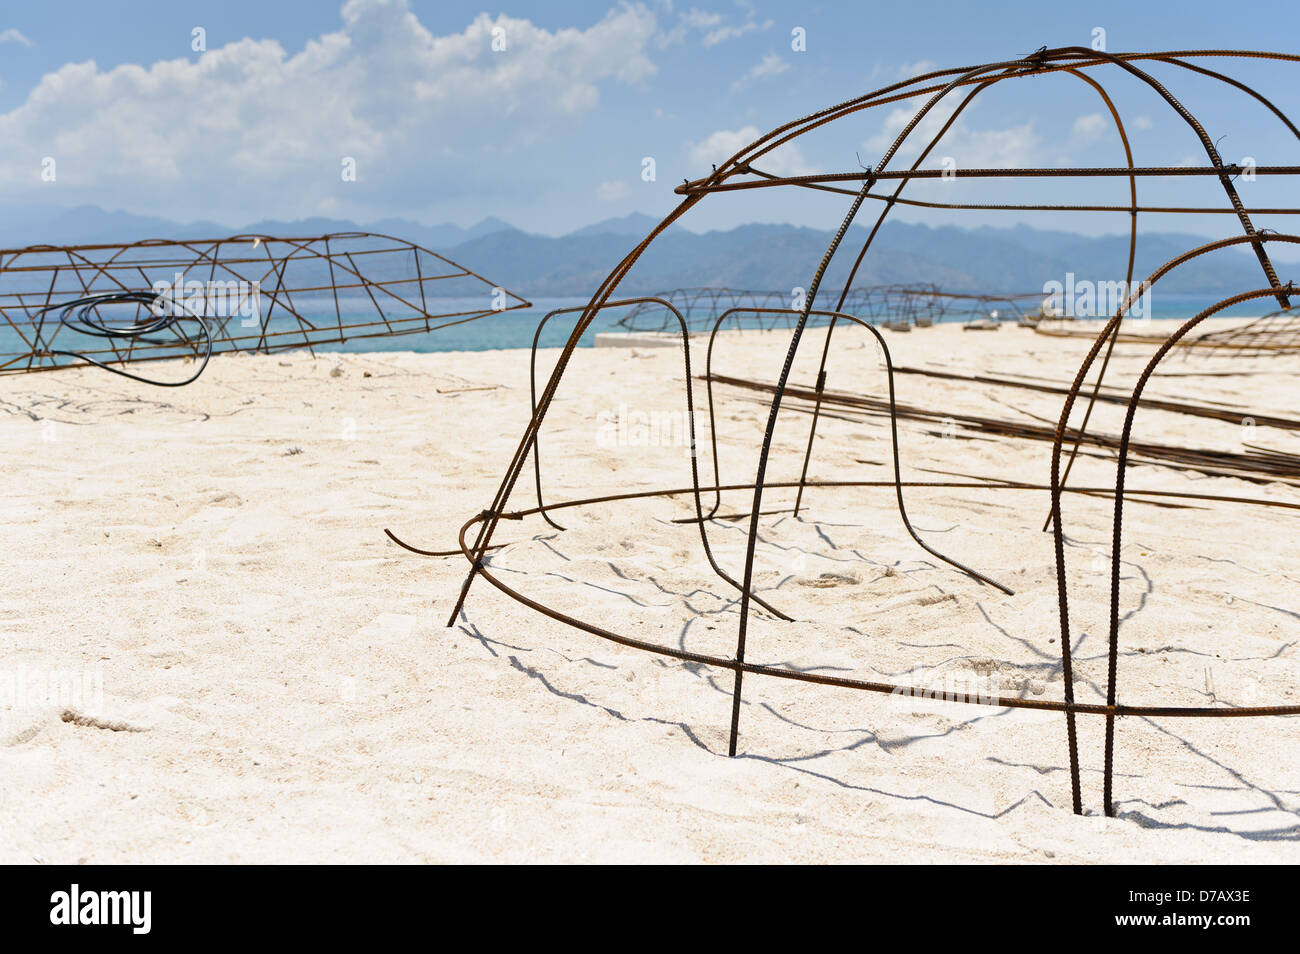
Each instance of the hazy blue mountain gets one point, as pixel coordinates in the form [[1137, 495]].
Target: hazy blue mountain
[[437, 236], [428, 236], [760, 257], [780, 257], [21, 226], [634, 223]]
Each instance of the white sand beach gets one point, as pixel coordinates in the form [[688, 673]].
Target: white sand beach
[[267, 678]]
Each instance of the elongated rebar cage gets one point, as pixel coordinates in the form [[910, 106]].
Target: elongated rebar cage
[[252, 293]]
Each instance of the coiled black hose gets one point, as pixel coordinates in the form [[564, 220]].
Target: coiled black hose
[[82, 316]]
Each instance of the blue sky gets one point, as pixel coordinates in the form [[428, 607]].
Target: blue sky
[[551, 133]]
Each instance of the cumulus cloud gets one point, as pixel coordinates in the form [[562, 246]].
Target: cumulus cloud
[[612, 190], [786, 160], [919, 68], [1090, 127], [770, 65], [971, 148], [714, 27], [724, 33], [254, 120]]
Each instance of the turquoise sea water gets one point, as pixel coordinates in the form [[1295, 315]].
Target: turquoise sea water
[[515, 329]]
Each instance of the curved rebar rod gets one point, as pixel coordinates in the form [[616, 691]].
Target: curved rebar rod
[[599, 297], [1058, 536], [1128, 275], [713, 423], [765, 449], [869, 179], [909, 303], [1237, 206], [866, 245], [893, 430], [1121, 466], [1224, 179], [814, 677], [532, 398], [1037, 64], [686, 349], [889, 204]]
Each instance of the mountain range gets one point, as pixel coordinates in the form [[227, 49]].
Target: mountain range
[[756, 256]]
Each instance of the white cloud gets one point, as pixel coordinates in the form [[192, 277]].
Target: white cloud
[[255, 122], [612, 190], [1090, 127], [13, 36], [1008, 147], [1142, 122], [724, 33], [700, 19], [713, 25], [786, 160], [770, 65], [919, 68]]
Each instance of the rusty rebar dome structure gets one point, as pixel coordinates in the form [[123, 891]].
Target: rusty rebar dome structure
[[944, 95]]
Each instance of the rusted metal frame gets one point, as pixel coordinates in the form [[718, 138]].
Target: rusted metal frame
[[278, 267], [722, 662], [1247, 226], [1132, 174], [1035, 67], [1058, 537], [894, 445], [881, 97], [38, 329], [1112, 658], [853, 272], [368, 284], [708, 550], [188, 255], [765, 449], [517, 463], [715, 183], [1128, 276], [334, 292], [101, 269], [383, 317], [1226, 181], [272, 347], [419, 280], [1041, 63], [1073, 172]]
